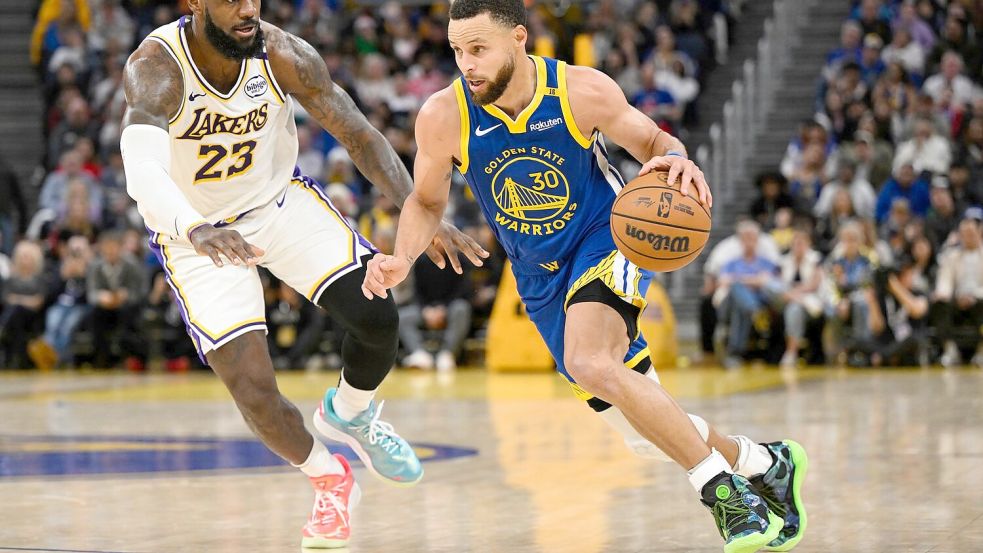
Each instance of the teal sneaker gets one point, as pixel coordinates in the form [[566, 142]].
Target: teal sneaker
[[781, 488], [742, 516], [386, 455]]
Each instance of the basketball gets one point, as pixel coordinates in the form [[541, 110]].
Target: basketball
[[655, 226]]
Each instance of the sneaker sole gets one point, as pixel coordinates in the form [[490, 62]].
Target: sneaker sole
[[754, 542], [315, 542], [801, 462], [333, 433]]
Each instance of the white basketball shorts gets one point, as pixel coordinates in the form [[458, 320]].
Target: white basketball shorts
[[307, 244]]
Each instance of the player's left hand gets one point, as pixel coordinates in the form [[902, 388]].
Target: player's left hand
[[687, 172], [449, 242]]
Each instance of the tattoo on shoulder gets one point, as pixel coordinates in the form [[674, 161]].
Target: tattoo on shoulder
[[153, 86]]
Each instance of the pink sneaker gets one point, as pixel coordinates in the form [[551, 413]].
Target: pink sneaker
[[335, 498]]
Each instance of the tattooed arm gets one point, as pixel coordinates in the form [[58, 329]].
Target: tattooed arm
[[154, 89], [301, 72]]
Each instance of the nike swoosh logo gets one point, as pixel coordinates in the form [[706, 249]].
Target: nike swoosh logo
[[192, 96], [282, 199], [482, 132]]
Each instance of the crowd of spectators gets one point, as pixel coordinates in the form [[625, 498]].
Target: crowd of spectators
[[865, 245], [77, 282]]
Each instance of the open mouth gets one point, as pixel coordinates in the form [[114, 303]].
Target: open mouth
[[475, 84], [245, 31]]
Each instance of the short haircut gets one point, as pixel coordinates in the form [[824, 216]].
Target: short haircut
[[510, 13]]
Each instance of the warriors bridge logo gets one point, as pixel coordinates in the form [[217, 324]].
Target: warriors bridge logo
[[531, 191]]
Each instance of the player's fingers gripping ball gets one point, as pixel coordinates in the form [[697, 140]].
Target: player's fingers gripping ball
[[655, 226]]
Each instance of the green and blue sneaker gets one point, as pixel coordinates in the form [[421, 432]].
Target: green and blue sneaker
[[781, 488], [384, 452], [742, 516]]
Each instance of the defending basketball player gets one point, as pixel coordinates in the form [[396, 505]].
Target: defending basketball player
[[526, 133], [209, 149]]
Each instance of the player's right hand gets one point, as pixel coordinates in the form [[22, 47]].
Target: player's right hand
[[216, 242], [382, 273]]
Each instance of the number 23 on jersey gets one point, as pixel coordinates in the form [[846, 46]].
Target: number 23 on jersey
[[216, 168]]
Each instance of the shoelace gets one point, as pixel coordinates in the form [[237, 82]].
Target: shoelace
[[730, 513], [327, 506], [774, 505], [381, 433]]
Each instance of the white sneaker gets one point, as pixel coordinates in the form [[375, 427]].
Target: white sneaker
[[420, 359], [789, 360], [445, 361], [978, 360], [951, 357]]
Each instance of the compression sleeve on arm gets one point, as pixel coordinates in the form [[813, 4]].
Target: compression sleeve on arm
[[146, 153]]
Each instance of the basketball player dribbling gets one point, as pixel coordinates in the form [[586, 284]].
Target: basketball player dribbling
[[209, 146], [526, 134]]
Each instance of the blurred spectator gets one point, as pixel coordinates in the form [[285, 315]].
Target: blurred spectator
[[828, 226], [70, 305], [849, 273], [772, 196], [78, 123], [666, 54], [920, 30], [54, 191], [871, 65], [955, 38], [851, 35], [873, 17], [810, 132], [903, 185], [712, 295], [925, 151], [116, 290], [295, 328], [310, 161], [906, 51], [861, 192], [54, 17], [950, 86], [897, 321], [941, 219], [110, 22], [807, 180], [969, 151], [801, 275], [895, 88], [22, 317], [959, 292], [13, 209], [749, 284], [71, 52], [656, 102], [871, 157], [440, 304]]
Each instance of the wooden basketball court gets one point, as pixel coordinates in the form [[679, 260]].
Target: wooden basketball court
[[117, 463]]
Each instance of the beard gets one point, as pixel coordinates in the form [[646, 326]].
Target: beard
[[230, 46], [497, 86]]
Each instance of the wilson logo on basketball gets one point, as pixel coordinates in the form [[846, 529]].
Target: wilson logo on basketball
[[659, 242], [665, 205]]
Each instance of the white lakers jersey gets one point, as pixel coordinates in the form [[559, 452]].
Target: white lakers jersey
[[230, 152]]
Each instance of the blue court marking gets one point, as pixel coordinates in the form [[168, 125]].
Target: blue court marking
[[26, 456]]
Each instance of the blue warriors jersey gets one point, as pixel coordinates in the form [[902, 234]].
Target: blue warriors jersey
[[546, 190], [542, 185]]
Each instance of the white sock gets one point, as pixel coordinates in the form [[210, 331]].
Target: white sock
[[708, 468], [350, 402], [320, 462], [752, 459]]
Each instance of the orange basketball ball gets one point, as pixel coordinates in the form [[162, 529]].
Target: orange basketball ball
[[655, 226]]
